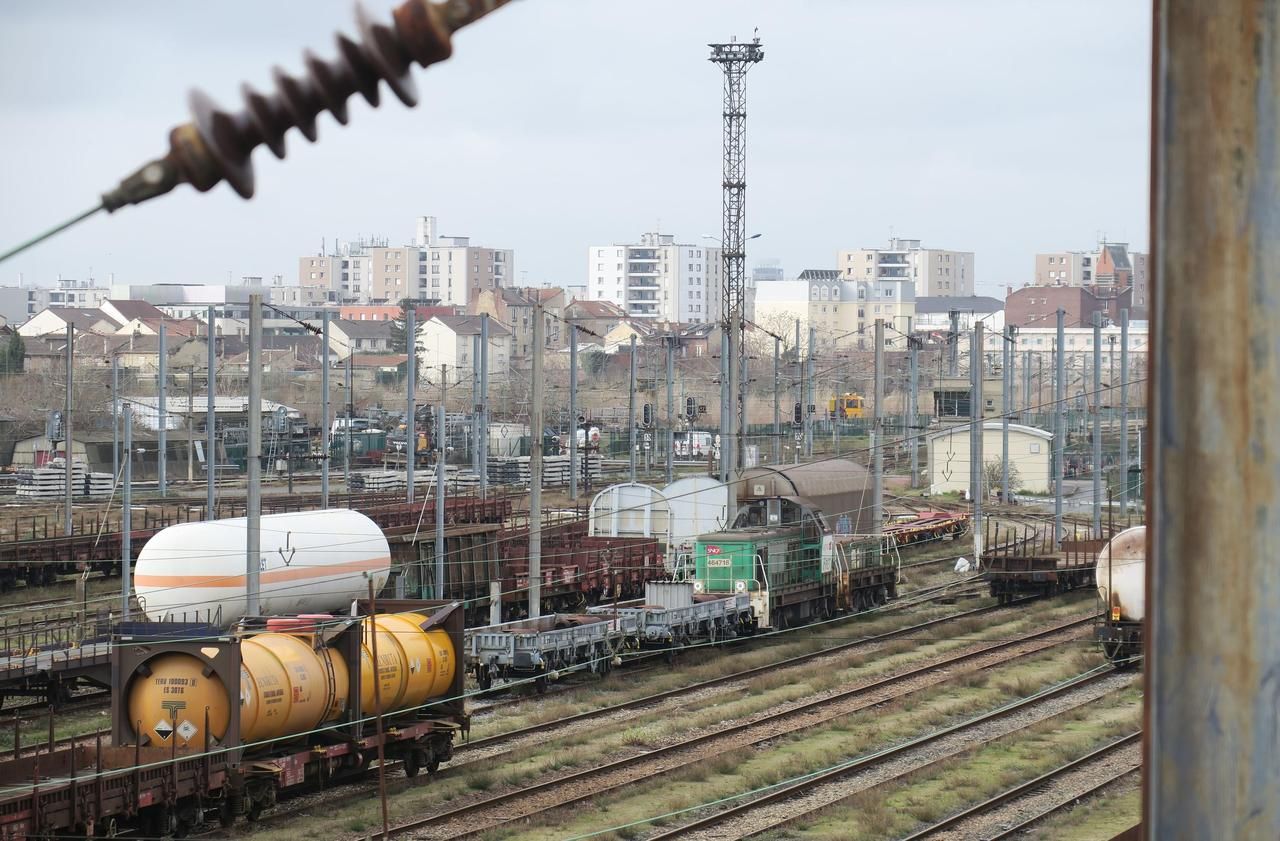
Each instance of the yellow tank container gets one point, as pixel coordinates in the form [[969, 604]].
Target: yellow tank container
[[413, 666], [287, 686]]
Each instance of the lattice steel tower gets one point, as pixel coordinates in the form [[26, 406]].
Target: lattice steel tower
[[735, 59]]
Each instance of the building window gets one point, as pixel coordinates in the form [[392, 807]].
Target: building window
[[1035, 448]]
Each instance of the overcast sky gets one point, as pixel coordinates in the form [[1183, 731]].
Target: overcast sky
[[1004, 127]]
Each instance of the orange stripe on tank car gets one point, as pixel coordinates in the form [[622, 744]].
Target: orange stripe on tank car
[[275, 575]]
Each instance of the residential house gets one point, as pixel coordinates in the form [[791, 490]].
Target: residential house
[[347, 337], [55, 320], [450, 340], [515, 307], [598, 317], [123, 311]]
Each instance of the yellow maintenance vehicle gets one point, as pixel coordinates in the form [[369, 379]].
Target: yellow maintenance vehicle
[[846, 406]]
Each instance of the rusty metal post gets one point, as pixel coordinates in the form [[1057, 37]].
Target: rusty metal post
[[1213, 645], [377, 698]]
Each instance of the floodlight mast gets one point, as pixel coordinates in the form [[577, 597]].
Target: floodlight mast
[[735, 59]]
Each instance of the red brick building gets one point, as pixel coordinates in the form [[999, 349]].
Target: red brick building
[[1037, 306]]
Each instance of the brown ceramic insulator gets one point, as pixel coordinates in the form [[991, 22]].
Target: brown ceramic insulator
[[216, 145]]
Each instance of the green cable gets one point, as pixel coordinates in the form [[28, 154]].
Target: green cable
[[38, 238]]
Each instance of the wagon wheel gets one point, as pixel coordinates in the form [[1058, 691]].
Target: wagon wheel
[[483, 678], [412, 763]]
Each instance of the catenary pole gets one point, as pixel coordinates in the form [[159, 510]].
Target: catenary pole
[[913, 411], [1006, 407], [777, 400], [977, 416], [799, 389], [953, 345], [484, 405], [877, 436], [1027, 401], [326, 429], [253, 491], [1124, 411], [573, 412], [351, 412], [410, 411], [1097, 424], [535, 458], [631, 413], [68, 440], [475, 404], [162, 411], [442, 444], [442, 455], [115, 416], [126, 514], [808, 403], [211, 417], [1059, 423], [671, 407]]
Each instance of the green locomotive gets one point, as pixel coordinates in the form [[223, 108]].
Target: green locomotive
[[800, 545]]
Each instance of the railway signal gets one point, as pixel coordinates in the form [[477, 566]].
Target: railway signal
[[797, 414]]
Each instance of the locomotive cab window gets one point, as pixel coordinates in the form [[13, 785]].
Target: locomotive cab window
[[767, 512]]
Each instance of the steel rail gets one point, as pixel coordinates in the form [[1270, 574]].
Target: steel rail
[[1030, 785], [697, 741], [786, 791]]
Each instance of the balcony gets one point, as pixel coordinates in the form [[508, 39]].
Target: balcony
[[642, 269], [646, 254]]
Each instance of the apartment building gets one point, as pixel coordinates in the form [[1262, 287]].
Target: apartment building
[[843, 312], [658, 278], [935, 272], [447, 269], [1065, 268], [1111, 265], [1037, 306]]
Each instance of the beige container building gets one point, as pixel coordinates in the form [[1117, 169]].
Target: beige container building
[[1030, 451]]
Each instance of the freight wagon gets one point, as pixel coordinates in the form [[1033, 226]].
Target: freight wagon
[[1121, 576], [206, 730]]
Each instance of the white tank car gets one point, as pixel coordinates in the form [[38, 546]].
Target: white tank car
[[311, 562], [1123, 563]]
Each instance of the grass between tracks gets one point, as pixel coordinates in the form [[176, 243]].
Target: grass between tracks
[[1105, 816], [599, 742], [897, 809], [749, 769], [35, 729]]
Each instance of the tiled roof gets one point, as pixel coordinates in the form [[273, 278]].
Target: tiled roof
[[469, 325]]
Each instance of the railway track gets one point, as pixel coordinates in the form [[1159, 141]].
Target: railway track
[[86, 701], [584, 785], [939, 592], [500, 744], [803, 794], [1040, 783]]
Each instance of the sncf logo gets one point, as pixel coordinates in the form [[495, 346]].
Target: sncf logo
[[713, 550]]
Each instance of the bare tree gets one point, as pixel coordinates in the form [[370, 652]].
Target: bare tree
[[993, 475]]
